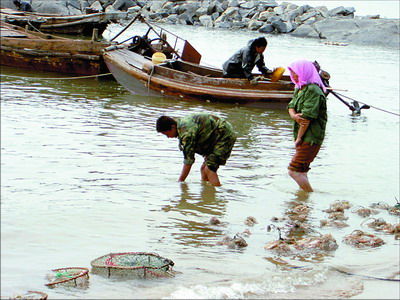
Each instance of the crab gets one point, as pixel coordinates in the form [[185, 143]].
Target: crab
[[338, 206], [380, 205], [361, 239], [305, 246], [338, 215], [333, 223], [214, 221], [365, 211], [234, 243], [277, 219], [280, 246], [325, 242], [250, 221], [377, 224], [394, 210], [300, 209], [392, 229], [296, 227]]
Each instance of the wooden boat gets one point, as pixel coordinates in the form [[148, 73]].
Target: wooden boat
[[182, 76], [42, 52], [72, 24]]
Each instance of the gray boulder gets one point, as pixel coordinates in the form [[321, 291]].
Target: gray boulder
[[206, 21], [308, 15], [341, 11], [254, 24], [336, 29], [96, 6], [305, 31], [57, 7], [379, 32], [267, 28], [282, 27], [249, 4]]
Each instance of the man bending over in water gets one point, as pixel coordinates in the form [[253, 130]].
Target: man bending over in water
[[204, 134]]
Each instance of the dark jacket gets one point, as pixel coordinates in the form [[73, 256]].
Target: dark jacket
[[242, 63]]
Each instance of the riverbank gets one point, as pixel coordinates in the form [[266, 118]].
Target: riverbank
[[339, 25]]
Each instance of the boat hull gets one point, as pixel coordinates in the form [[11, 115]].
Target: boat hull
[[132, 71], [22, 49]]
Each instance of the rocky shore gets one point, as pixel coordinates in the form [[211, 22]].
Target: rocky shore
[[338, 25]]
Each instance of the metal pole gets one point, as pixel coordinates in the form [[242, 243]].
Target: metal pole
[[126, 27]]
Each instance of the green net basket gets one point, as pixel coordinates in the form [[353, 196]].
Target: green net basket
[[72, 276], [133, 264]]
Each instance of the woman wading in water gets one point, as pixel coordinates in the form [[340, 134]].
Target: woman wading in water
[[308, 110]]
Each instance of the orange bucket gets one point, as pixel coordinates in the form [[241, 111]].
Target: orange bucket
[[277, 74]]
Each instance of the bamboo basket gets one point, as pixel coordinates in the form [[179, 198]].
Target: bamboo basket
[[133, 264], [72, 276]]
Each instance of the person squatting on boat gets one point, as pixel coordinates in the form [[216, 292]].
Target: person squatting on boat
[[204, 134], [23, 5], [241, 64], [308, 110]]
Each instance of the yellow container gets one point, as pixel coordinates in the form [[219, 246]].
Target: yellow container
[[158, 58], [277, 74]]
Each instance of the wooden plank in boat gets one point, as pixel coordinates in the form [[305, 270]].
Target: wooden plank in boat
[[5, 32]]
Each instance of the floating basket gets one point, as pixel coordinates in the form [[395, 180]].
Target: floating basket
[[133, 264], [77, 277]]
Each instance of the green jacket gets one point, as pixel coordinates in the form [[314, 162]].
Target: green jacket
[[310, 101], [199, 133]]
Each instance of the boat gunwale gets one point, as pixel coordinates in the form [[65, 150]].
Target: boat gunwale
[[177, 87]]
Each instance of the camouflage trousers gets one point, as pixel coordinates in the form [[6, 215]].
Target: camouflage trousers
[[222, 148]]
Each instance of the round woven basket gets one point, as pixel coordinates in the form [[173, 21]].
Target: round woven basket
[[133, 264], [31, 295], [71, 276]]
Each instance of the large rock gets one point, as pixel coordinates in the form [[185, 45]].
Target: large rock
[[341, 11], [305, 31], [377, 32], [282, 27], [266, 28], [254, 24], [206, 21], [57, 7], [336, 29]]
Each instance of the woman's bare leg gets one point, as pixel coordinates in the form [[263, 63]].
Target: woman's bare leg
[[302, 180]]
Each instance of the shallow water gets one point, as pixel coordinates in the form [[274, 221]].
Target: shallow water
[[84, 173]]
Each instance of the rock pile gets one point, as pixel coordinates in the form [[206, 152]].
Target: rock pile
[[265, 16]]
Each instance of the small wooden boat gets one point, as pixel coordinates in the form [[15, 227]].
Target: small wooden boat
[[37, 51], [182, 76], [72, 24]]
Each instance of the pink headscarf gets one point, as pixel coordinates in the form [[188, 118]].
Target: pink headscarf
[[307, 74]]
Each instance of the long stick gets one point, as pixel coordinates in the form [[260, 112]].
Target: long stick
[[126, 27], [351, 107]]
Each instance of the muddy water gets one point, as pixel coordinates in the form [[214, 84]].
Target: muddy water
[[83, 174]]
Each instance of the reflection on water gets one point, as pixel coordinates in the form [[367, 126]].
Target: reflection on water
[[84, 173], [191, 204]]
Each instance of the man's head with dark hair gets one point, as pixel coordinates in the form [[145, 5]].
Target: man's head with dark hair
[[17, 3], [260, 42], [167, 126]]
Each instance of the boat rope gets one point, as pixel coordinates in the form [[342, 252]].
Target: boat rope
[[59, 78], [381, 109], [149, 80], [365, 276], [30, 24]]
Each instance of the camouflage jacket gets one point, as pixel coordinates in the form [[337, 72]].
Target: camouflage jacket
[[199, 133]]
